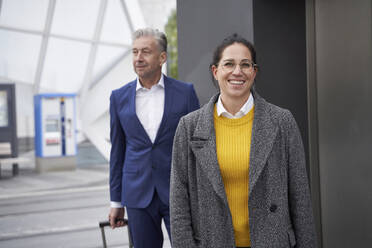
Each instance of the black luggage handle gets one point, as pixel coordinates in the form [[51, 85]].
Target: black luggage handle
[[103, 224], [107, 223]]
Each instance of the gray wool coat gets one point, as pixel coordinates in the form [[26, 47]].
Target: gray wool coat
[[280, 212]]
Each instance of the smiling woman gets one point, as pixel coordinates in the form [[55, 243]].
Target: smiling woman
[[243, 156], [235, 82]]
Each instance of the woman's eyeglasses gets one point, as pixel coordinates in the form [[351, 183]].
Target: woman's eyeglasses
[[245, 67]]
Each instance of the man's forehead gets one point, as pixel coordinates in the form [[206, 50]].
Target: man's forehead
[[141, 47], [144, 42]]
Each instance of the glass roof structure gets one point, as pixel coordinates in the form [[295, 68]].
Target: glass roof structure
[[71, 46], [55, 45]]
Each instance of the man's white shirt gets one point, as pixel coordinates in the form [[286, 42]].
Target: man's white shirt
[[150, 107]]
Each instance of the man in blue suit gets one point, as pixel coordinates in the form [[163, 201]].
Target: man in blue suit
[[144, 115]]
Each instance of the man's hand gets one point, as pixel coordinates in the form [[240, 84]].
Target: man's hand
[[114, 215]]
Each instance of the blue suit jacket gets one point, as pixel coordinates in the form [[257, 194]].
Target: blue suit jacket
[[138, 166]]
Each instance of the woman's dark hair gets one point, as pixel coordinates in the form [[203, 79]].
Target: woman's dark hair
[[234, 38]]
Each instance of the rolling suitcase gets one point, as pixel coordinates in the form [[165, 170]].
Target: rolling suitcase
[[103, 224]]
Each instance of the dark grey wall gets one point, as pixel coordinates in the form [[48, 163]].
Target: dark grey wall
[[315, 59], [344, 84], [280, 41], [202, 25]]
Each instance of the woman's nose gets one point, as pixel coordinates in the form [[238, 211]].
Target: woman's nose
[[237, 70]]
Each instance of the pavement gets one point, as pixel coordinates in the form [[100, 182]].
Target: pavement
[[78, 198], [30, 183]]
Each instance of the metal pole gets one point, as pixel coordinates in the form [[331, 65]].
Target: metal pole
[[103, 236], [44, 45]]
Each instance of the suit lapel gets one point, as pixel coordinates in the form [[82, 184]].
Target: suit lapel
[[264, 132], [132, 110], [168, 101], [203, 144]]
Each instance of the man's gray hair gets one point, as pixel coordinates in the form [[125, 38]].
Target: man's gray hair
[[159, 37]]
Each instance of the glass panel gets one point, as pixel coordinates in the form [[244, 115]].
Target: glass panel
[[24, 14], [65, 65], [52, 125], [115, 26], [3, 108], [75, 18], [19, 54], [106, 56]]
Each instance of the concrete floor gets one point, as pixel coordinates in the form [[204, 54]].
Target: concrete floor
[[58, 209]]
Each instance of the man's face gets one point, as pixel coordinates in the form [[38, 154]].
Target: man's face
[[147, 59]]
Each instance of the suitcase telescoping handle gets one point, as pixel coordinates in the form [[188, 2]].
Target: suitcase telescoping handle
[[107, 223], [102, 225]]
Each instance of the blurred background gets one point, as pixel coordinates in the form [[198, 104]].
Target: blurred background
[[315, 59], [59, 62], [72, 46]]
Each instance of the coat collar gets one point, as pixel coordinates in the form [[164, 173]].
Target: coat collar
[[203, 143]]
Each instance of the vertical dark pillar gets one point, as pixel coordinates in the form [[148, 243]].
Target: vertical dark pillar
[[8, 130], [280, 41], [313, 133], [344, 76]]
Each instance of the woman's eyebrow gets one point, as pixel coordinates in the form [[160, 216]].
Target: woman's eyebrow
[[243, 60]]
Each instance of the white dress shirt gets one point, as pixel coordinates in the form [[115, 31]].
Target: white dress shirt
[[248, 105], [149, 110], [150, 107]]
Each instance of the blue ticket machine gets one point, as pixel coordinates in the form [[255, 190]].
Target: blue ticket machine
[[55, 132]]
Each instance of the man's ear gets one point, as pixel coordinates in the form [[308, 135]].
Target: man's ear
[[163, 58], [214, 71]]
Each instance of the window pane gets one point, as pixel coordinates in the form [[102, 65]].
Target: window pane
[[106, 56], [75, 18], [19, 55], [3, 108], [65, 65], [115, 26], [24, 14]]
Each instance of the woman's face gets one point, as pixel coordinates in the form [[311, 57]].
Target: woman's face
[[235, 83]]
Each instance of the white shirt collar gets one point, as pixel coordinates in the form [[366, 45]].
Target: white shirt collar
[[248, 105], [160, 83]]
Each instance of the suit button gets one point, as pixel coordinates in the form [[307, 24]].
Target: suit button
[[273, 208]]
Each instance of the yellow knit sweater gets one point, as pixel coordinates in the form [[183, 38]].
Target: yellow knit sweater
[[233, 139]]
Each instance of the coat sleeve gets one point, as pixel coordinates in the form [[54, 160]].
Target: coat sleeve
[[180, 216], [117, 153], [298, 189], [193, 100]]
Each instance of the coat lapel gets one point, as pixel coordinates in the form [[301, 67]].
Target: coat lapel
[[203, 144], [264, 132]]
